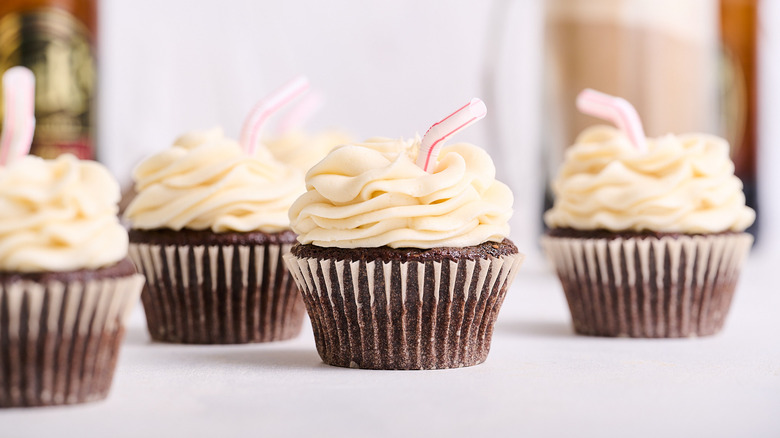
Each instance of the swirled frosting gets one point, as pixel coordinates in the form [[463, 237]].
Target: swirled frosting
[[373, 194], [682, 184], [302, 150], [206, 181], [59, 215]]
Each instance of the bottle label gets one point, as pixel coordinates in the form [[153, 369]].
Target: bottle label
[[56, 47]]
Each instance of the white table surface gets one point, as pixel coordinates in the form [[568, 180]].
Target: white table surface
[[539, 380]]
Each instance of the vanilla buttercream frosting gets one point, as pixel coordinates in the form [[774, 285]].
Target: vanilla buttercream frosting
[[302, 150], [206, 181], [373, 194], [682, 184], [59, 215]]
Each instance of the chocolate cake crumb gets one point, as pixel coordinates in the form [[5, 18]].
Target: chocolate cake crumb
[[623, 234], [123, 268], [208, 237], [386, 254]]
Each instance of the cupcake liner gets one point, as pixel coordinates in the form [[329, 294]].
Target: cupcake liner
[[403, 315], [59, 341], [226, 294], [649, 287]]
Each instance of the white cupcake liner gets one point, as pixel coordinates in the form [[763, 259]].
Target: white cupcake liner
[[649, 287], [59, 341], [403, 315], [218, 294]]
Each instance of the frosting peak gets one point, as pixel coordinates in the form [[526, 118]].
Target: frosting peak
[[206, 181], [302, 150], [373, 194], [59, 215], [682, 184]]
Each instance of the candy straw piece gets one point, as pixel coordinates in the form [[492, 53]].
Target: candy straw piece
[[615, 109], [432, 141], [19, 110], [302, 112], [250, 132]]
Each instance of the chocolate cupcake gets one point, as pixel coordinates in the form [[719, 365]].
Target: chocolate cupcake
[[401, 268], [66, 285], [648, 243], [209, 228]]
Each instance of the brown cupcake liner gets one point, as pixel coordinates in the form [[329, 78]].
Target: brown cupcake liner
[[59, 341], [649, 287], [228, 294], [403, 315]]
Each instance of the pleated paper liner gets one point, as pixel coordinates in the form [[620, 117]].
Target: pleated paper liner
[[649, 287], [403, 315], [218, 294], [59, 341]]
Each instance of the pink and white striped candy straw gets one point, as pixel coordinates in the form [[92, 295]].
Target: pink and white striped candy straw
[[615, 109], [19, 113], [432, 141], [250, 132], [302, 112]]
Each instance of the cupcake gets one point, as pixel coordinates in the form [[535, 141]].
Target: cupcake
[[648, 243], [402, 268], [209, 227], [66, 284]]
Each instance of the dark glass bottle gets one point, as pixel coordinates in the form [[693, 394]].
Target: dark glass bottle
[[739, 34], [56, 40]]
